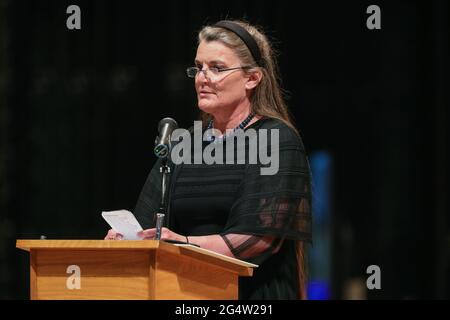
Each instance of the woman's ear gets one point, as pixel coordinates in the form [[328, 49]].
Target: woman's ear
[[254, 78]]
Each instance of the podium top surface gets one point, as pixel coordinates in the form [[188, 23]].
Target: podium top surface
[[243, 268], [88, 244]]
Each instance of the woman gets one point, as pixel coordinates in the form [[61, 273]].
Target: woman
[[231, 208]]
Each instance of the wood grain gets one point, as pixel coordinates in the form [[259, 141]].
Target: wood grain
[[130, 270], [178, 277], [238, 266], [104, 275], [33, 278]]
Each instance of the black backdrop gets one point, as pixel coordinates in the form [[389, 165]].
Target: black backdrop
[[79, 110]]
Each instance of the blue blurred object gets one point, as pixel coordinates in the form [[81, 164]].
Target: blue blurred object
[[319, 290], [319, 286]]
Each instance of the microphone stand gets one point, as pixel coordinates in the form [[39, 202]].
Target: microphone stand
[[164, 169]]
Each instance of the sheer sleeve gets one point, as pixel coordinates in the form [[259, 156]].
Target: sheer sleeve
[[272, 208], [149, 198]]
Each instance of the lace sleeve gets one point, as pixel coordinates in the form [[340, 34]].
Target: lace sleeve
[[149, 198], [252, 248], [272, 208]]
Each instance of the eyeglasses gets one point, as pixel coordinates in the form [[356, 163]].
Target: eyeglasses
[[193, 71]]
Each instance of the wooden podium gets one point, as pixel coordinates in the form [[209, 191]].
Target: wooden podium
[[127, 269]]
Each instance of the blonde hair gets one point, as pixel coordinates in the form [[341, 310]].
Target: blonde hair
[[267, 98]]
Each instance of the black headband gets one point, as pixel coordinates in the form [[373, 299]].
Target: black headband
[[245, 36]]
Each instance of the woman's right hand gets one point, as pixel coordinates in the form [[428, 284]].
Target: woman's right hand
[[113, 235]]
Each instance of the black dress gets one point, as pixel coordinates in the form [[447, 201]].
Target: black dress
[[243, 206]]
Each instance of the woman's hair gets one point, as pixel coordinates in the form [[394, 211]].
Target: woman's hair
[[267, 98]]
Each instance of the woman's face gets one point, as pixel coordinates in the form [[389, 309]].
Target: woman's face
[[224, 91]]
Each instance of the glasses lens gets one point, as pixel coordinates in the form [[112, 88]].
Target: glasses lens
[[214, 71], [192, 72]]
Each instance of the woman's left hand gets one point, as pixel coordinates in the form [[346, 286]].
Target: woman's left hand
[[166, 234]]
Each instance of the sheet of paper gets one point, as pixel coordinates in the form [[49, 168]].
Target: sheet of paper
[[124, 222]]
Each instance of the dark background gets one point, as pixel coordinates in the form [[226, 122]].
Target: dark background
[[79, 111]]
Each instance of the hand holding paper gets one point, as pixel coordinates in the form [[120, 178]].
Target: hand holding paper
[[124, 222]]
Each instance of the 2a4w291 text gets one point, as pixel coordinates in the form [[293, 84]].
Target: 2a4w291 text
[[245, 309]]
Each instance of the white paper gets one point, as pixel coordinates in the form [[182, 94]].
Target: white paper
[[123, 222]]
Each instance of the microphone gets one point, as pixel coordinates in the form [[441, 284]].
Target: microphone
[[162, 142]]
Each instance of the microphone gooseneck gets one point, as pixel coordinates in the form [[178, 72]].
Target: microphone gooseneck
[[162, 149]]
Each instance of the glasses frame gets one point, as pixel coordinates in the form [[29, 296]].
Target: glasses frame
[[214, 70]]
